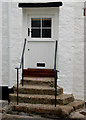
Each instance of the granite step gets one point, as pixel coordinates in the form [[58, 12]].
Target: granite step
[[40, 90], [42, 99], [44, 81], [48, 110]]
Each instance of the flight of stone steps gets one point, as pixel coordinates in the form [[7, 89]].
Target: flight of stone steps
[[38, 96]]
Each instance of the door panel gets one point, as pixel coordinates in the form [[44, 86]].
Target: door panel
[[40, 52]]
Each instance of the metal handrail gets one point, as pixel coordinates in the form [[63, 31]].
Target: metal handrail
[[21, 66], [55, 71]]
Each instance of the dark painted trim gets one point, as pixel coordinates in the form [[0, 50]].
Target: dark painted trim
[[4, 92], [48, 4]]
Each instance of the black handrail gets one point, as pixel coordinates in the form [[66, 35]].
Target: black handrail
[[55, 71], [21, 66]]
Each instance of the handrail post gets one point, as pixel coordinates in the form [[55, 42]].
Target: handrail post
[[55, 86], [22, 70], [55, 71], [17, 82], [22, 60], [21, 67], [55, 55]]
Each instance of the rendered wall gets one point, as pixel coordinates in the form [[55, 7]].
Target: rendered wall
[[71, 49], [0, 45], [5, 43], [12, 41], [78, 68]]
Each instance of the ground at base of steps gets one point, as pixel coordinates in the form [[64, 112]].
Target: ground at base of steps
[[78, 115]]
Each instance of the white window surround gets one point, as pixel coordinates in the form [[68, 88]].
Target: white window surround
[[40, 39], [42, 12], [39, 26]]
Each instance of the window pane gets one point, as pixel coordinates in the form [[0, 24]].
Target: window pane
[[36, 33], [35, 22], [46, 22], [46, 33]]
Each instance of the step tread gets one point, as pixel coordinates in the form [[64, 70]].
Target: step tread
[[42, 106], [46, 110], [62, 96], [37, 87], [77, 104], [48, 106], [39, 79], [59, 110]]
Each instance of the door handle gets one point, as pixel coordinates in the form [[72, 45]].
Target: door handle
[[29, 31]]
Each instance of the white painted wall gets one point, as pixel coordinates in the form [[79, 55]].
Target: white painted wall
[[70, 61], [85, 55], [65, 47], [1, 44], [71, 49], [5, 44], [16, 42], [78, 68]]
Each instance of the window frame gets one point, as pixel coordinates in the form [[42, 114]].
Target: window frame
[[41, 28], [40, 16]]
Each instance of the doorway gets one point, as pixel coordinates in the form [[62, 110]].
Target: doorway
[[40, 27]]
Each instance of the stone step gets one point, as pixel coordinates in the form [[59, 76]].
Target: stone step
[[77, 104], [42, 99], [39, 81], [48, 110], [22, 117], [42, 90]]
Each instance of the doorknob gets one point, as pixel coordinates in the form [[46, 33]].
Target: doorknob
[[29, 31]]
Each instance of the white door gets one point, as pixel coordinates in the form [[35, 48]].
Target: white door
[[41, 36]]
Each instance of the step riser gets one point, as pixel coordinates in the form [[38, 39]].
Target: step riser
[[28, 82], [39, 92], [41, 100], [39, 73]]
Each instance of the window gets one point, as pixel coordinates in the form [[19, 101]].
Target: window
[[41, 27]]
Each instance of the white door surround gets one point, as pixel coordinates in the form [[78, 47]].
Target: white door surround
[[36, 23]]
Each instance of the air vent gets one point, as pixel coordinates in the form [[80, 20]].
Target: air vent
[[40, 64]]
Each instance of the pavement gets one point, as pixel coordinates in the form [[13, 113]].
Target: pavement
[[78, 115]]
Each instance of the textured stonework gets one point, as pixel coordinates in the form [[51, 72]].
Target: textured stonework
[[41, 100]]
